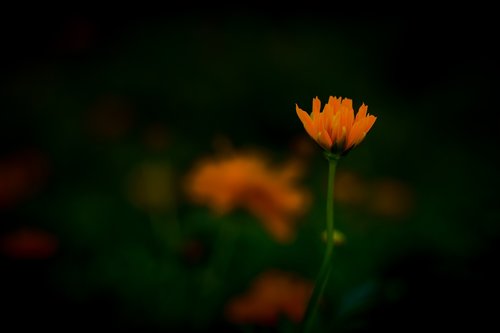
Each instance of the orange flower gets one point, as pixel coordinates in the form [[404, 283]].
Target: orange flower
[[248, 181], [336, 129], [273, 294]]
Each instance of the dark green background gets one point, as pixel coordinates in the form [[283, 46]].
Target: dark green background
[[429, 77]]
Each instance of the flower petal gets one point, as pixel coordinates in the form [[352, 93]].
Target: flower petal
[[335, 103], [361, 112], [316, 108], [368, 123], [356, 135], [324, 140], [306, 121]]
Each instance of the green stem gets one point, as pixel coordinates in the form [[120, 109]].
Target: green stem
[[326, 266]]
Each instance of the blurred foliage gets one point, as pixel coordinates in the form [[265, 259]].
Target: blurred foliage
[[104, 118]]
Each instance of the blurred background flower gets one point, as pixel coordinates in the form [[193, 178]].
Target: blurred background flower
[[248, 180], [151, 186], [28, 243], [273, 295], [22, 174]]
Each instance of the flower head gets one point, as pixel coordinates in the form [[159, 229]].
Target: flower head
[[336, 129]]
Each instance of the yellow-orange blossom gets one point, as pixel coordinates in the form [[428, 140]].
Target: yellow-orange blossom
[[336, 129]]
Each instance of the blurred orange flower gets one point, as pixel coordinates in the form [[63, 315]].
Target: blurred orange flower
[[247, 180], [384, 197], [151, 187], [350, 188], [336, 129], [392, 199], [272, 294], [29, 243]]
